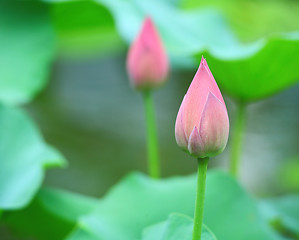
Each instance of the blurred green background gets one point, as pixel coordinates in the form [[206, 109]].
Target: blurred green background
[[89, 112]]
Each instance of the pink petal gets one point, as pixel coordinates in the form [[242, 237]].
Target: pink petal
[[203, 83], [216, 93], [195, 144], [180, 134], [147, 62], [214, 126]]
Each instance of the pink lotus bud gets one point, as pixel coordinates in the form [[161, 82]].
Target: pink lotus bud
[[202, 123], [147, 62]]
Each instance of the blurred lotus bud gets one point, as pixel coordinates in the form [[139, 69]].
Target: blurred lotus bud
[[202, 123], [147, 62]]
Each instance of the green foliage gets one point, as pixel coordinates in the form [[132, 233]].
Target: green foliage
[[247, 72], [288, 176], [36, 222], [138, 206], [177, 227], [266, 72], [84, 27], [69, 206], [194, 31], [27, 49], [24, 155], [51, 215], [138, 202], [252, 20], [283, 214]]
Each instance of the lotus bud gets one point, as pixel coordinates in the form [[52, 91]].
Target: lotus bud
[[202, 123], [147, 62]]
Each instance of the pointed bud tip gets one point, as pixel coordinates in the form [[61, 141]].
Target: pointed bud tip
[[148, 25], [148, 20], [204, 64]]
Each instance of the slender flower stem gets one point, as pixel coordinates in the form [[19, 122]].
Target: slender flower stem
[[237, 140], [152, 139], [200, 197]]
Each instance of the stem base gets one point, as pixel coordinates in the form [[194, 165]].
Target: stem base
[[200, 197]]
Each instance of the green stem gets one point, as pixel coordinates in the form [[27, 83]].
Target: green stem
[[236, 147], [200, 197], [152, 139]]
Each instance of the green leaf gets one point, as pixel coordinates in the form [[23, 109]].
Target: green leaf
[[138, 202], [84, 234], [84, 27], [283, 213], [287, 176], [51, 215], [67, 205], [177, 227], [252, 20], [24, 155], [195, 30], [265, 72], [27, 50], [247, 72]]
